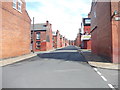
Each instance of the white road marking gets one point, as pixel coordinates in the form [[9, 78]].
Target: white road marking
[[104, 78], [110, 85], [95, 69], [99, 73]]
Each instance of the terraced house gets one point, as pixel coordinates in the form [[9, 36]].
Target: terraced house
[[42, 37], [15, 29]]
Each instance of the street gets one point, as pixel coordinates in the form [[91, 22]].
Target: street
[[62, 68]]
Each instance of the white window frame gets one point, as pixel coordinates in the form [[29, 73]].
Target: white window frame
[[19, 6], [15, 4], [38, 36]]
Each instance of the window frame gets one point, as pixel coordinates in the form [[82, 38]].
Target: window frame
[[14, 4], [19, 6], [38, 33], [38, 46]]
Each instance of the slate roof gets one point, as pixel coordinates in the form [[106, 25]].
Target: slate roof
[[39, 27]]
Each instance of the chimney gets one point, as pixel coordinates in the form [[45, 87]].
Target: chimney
[[47, 22], [51, 25], [88, 15]]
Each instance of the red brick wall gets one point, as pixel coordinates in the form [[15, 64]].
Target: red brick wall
[[61, 42], [55, 41], [87, 29], [115, 34], [42, 39], [0, 30], [49, 33], [102, 35], [87, 44], [15, 31], [78, 40], [119, 35], [58, 39], [105, 38], [45, 44]]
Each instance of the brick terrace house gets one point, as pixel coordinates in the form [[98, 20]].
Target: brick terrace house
[[66, 42], [15, 29], [42, 37], [86, 37], [105, 29], [56, 39], [61, 41], [78, 39]]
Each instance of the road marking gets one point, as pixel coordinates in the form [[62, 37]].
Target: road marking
[[110, 85], [104, 78], [95, 69], [99, 73]]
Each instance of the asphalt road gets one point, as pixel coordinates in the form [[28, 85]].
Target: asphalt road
[[63, 68]]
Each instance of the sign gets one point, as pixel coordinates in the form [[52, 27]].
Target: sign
[[117, 18]]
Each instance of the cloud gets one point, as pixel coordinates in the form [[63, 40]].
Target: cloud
[[64, 15]]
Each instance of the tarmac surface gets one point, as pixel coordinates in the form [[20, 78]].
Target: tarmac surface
[[62, 68]]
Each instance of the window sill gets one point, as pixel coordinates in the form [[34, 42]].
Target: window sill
[[17, 10]]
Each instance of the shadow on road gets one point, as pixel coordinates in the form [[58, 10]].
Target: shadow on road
[[67, 48], [95, 58], [67, 54]]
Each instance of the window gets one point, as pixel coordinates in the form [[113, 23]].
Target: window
[[87, 21], [95, 14], [48, 38], [44, 25], [19, 6], [15, 4], [38, 35], [38, 45]]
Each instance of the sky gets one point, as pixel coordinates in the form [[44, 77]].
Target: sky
[[64, 15]]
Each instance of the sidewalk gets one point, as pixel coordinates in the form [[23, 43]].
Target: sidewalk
[[16, 59], [23, 57], [97, 61]]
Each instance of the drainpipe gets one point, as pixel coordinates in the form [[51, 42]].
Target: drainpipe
[[33, 37]]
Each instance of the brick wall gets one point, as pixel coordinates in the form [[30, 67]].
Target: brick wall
[[43, 44], [15, 31], [105, 37], [87, 44], [0, 30], [58, 39], [119, 35], [78, 40], [101, 36], [115, 34], [87, 29], [50, 44], [55, 41]]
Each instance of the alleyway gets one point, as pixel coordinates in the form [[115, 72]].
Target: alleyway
[[63, 68]]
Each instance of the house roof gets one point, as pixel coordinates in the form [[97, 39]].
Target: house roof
[[39, 27]]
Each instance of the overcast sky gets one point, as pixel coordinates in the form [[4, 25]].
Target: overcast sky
[[64, 15]]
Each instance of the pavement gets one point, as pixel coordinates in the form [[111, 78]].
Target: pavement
[[62, 68], [8, 61], [93, 60], [97, 61], [16, 59]]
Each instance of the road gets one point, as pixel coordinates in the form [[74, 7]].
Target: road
[[63, 68]]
